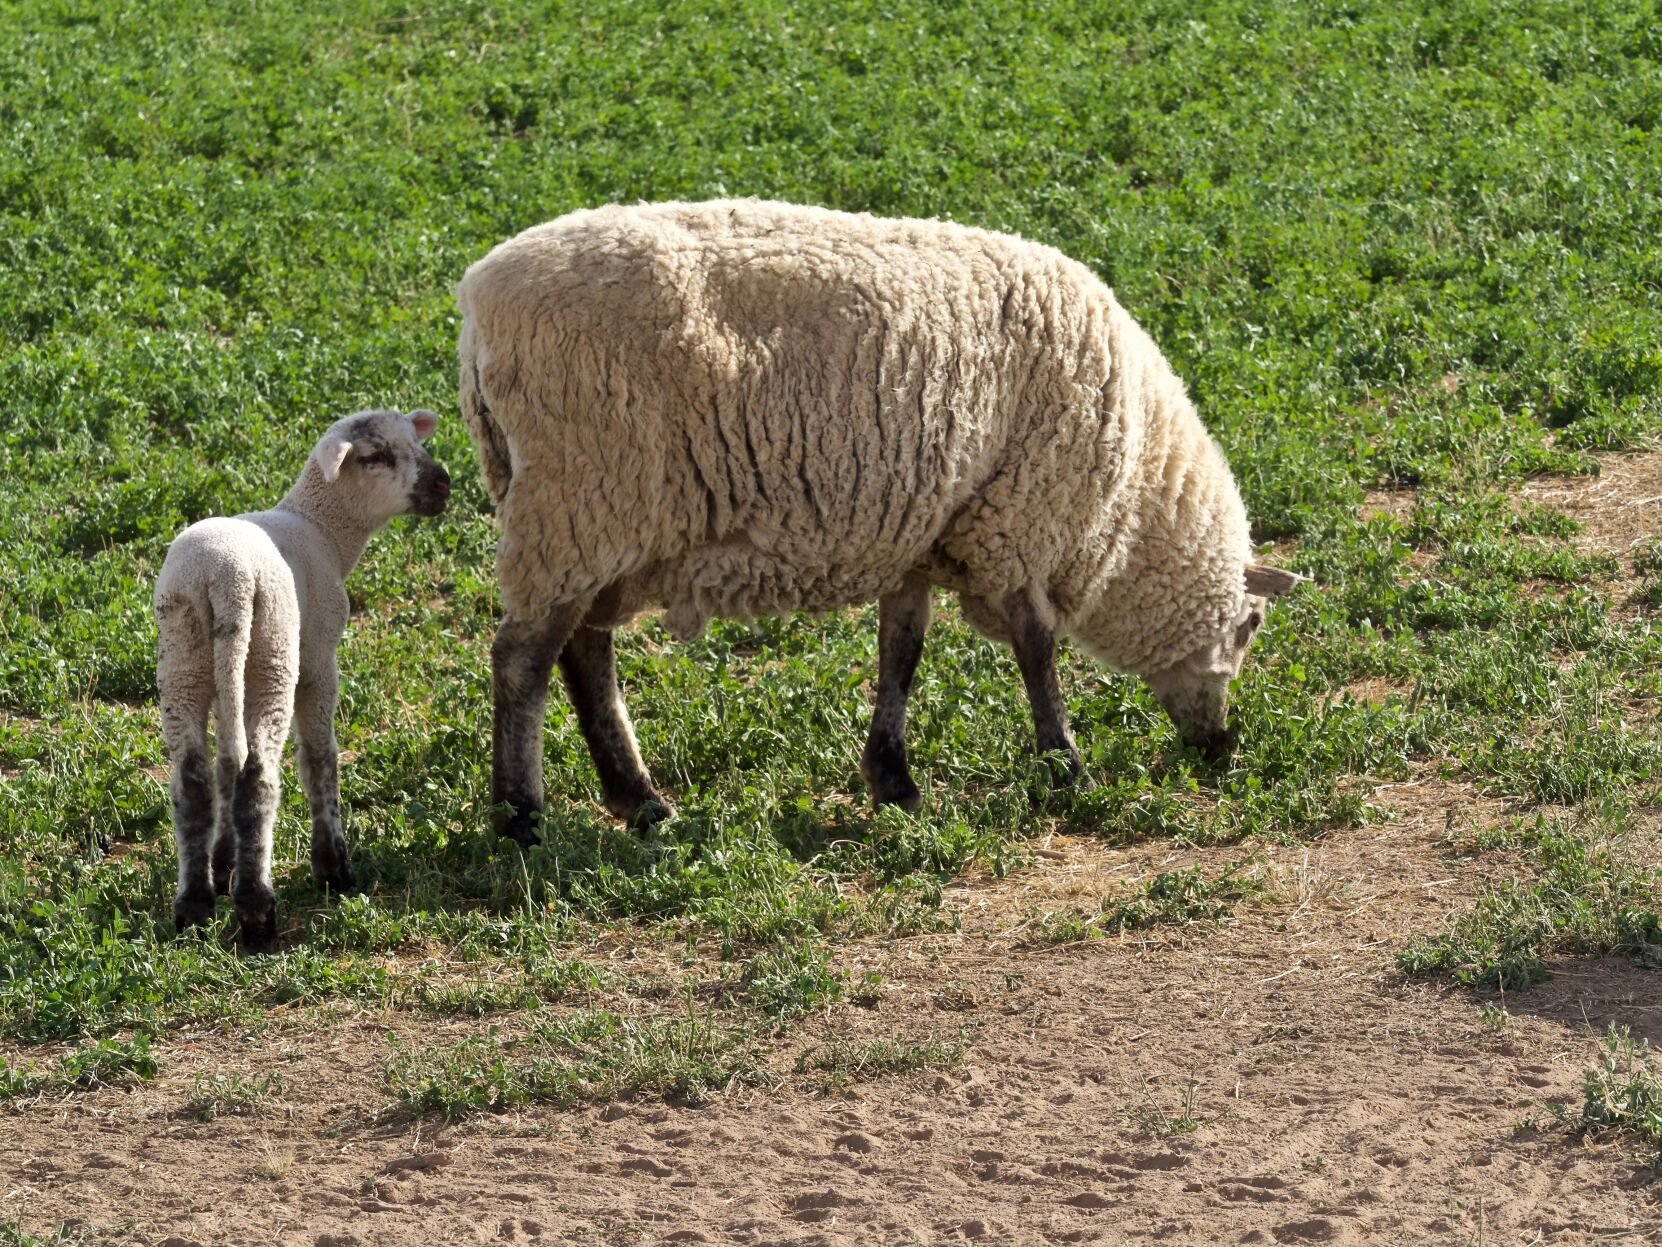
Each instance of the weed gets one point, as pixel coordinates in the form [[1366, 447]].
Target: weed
[[1624, 1091], [590, 1055], [1171, 898], [229, 1094], [838, 1063]]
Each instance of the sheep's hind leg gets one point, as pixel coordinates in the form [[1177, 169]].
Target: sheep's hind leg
[[902, 620], [588, 664], [316, 755], [522, 659], [254, 814], [1035, 648]]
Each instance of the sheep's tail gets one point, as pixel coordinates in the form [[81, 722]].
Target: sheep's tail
[[487, 435], [231, 625]]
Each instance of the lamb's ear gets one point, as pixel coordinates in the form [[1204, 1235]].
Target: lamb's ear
[[1271, 582], [331, 455], [425, 422]]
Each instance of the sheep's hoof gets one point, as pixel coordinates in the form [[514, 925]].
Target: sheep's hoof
[[194, 909], [647, 814]]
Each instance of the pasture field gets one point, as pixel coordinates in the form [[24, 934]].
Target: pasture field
[[1387, 976]]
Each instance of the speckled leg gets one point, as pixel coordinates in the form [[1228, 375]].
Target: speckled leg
[[522, 659], [902, 620], [254, 813], [184, 681], [316, 757], [1035, 647], [588, 664]]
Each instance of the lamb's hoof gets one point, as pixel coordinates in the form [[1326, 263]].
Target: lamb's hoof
[[895, 790], [519, 826], [335, 877], [332, 865], [258, 932], [257, 921], [192, 910]]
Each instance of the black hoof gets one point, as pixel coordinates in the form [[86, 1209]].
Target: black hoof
[[332, 870], [258, 935], [337, 878], [194, 909], [895, 790], [647, 813], [519, 826], [889, 779], [257, 922]]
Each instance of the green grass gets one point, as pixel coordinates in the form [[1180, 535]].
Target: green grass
[[1581, 895], [1388, 245], [1171, 898], [592, 1055]]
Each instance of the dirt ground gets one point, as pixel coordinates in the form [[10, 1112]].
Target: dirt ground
[[1318, 1096]]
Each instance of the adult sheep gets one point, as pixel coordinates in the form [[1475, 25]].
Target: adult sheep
[[741, 408]]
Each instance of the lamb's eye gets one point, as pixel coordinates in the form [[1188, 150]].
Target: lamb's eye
[[380, 459]]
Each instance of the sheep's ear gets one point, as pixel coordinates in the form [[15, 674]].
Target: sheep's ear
[[331, 455], [425, 422], [1271, 582]]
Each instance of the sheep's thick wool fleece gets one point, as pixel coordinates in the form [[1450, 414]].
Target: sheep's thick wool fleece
[[741, 407]]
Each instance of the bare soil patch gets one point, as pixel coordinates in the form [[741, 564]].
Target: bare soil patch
[[1272, 1080]]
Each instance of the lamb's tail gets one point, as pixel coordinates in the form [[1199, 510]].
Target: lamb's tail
[[487, 435], [231, 625]]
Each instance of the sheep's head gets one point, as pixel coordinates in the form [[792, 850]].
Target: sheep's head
[[376, 460], [1195, 691]]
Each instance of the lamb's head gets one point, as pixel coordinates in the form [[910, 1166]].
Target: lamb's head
[[374, 461], [1195, 691]]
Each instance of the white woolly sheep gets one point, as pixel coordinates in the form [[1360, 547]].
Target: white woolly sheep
[[745, 408], [249, 613]]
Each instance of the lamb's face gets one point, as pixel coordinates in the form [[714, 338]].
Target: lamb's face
[[377, 463], [1195, 692]]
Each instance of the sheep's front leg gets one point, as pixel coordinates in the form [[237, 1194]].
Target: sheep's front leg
[[588, 663], [902, 620], [317, 758], [522, 659], [1035, 648]]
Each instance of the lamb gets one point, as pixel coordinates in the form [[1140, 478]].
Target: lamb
[[741, 407], [249, 613]]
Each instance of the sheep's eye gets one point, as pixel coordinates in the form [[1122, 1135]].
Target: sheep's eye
[[380, 459]]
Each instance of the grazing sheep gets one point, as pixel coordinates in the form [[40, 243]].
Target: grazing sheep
[[745, 408], [249, 613]]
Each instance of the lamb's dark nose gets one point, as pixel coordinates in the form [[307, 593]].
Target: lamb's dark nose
[[432, 491]]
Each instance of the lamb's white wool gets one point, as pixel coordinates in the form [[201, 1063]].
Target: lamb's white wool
[[742, 407], [249, 613]]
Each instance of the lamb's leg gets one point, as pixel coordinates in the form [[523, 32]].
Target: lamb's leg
[[589, 665], [227, 764], [184, 696], [522, 659], [316, 757], [902, 620], [269, 707], [1035, 647]]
